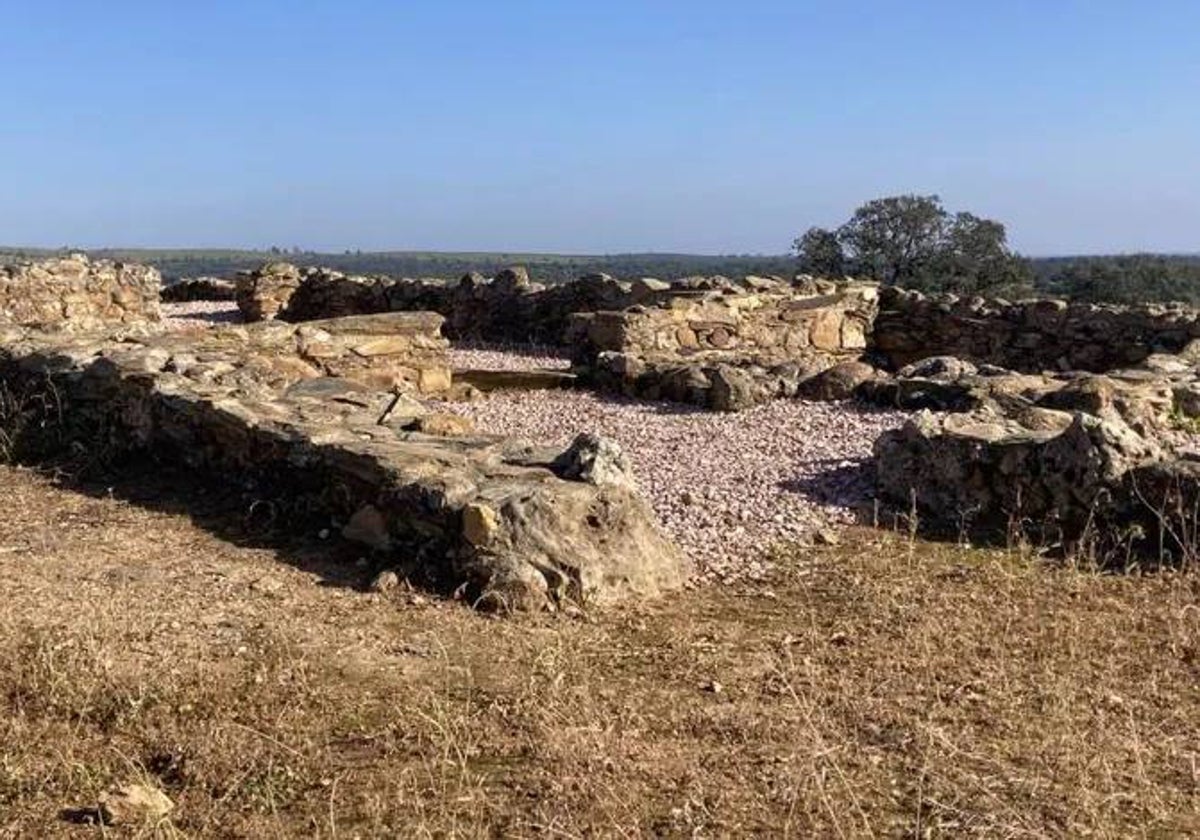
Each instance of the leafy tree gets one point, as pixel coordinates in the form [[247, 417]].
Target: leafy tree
[[911, 240], [974, 256], [894, 239], [820, 253]]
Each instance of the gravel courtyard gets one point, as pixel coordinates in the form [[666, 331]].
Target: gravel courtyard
[[727, 487]]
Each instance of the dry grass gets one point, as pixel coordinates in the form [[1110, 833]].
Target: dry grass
[[877, 688]]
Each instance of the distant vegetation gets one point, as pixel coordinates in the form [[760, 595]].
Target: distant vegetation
[[912, 241], [550, 268], [1127, 278], [973, 258]]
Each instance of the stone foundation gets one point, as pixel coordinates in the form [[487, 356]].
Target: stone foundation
[[486, 516], [78, 294], [723, 351], [1028, 336]]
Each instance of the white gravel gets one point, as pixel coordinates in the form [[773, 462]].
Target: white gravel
[[726, 487], [200, 313], [503, 357]]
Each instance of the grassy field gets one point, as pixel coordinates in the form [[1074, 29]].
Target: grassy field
[[879, 687]]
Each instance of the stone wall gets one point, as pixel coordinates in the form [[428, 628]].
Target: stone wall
[[77, 293], [507, 524], [1027, 336], [509, 308], [777, 326], [721, 350], [199, 288]]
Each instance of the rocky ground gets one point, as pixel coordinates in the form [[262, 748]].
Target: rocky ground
[[727, 487]]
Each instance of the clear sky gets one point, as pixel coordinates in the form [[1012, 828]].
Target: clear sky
[[715, 127]]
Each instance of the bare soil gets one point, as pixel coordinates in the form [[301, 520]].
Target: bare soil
[[878, 687]]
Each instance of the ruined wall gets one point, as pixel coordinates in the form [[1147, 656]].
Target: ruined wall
[[76, 293], [774, 326], [262, 293], [505, 523], [1027, 336], [199, 288], [722, 350], [509, 308]]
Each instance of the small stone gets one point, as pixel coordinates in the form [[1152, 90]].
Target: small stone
[[369, 527], [385, 581], [134, 804]]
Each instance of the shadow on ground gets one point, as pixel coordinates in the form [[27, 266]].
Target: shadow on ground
[[237, 515]]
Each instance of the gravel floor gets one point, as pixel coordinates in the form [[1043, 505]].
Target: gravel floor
[[466, 356], [200, 313], [725, 486]]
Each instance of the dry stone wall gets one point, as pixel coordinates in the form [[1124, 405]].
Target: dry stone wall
[[508, 308], [1027, 336], [75, 292], [720, 350], [508, 524]]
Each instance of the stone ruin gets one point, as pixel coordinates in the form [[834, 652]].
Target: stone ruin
[[76, 293], [322, 418], [1027, 397], [706, 341], [1041, 419]]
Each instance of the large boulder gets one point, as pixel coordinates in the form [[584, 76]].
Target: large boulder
[[733, 389], [840, 382]]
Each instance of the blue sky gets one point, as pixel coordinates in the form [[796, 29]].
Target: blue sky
[[594, 127]]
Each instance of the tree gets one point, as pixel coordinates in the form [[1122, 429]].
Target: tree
[[820, 253], [893, 239], [974, 256], [911, 240]]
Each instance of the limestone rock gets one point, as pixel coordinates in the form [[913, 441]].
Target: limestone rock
[[939, 368], [596, 460], [368, 526], [199, 288], [992, 472], [78, 294], [134, 804], [262, 293]]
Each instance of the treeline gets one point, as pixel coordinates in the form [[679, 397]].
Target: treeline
[[546, 268], [1124, 278], [976, 262]]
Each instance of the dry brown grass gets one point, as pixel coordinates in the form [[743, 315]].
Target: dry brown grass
[[875, 688]]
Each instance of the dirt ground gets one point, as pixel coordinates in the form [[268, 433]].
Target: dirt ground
[[879, 687]]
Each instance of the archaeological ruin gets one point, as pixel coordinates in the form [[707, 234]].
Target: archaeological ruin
[[335, 397]]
